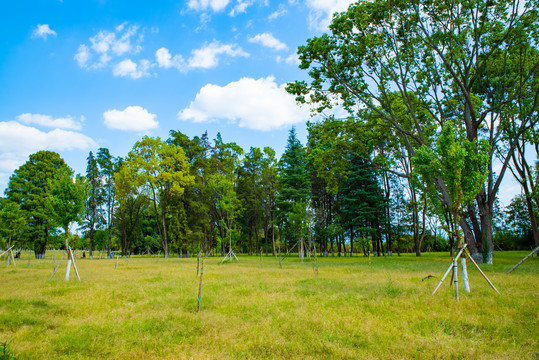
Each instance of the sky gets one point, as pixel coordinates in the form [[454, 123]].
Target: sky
[[79, 75]]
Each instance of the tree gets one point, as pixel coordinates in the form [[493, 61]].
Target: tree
[[437, 57], [193, 207], [156, 170], [67, 203], [94, 199], [29, 186], [363, 203], [269, 193], [108, 167], [293, 188], [12, 221], [460, 164], [250, 194]]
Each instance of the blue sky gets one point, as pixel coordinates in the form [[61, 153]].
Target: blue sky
[[79, 75]]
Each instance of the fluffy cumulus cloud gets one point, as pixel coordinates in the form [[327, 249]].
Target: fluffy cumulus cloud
[[132, 118], [321, 11], [106, 45], [255, 104], [206, 57], [42, 31], [18, 141], [268, 40], [67, 122]]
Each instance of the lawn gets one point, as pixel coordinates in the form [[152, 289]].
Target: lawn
[[146, 309]]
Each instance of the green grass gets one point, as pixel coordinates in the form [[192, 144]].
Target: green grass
[[146, 309]]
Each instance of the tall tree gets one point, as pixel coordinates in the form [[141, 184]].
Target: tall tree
[[250, 194], [363, 203], [293, 189], [93, 215], [158, 169], [108, 167], [437, 56], [269, 193], [29, 186], [195, 202]]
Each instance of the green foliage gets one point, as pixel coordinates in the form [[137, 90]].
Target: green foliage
[[12, 221], [293, 184], [460, 164], [67, 198], [405, 70], [156, 170], [29, 186]]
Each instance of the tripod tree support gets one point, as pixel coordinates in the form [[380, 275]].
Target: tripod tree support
[[450, 267], [521, 261]]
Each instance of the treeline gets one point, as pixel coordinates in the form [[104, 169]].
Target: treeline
[[192, 194], [439, 109]]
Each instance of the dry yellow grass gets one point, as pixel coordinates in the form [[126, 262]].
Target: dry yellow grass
[[145, 309]]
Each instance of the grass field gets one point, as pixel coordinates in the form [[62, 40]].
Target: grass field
[[146, 309]]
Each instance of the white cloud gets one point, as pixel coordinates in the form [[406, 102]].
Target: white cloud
[[278, 13], [268, 40], [255, 104], [203, 5], [105, 45], [165, 60], [18, 141], [128, 68], [133, 118], [238, 7], [43, 31], [321, 11], [82, 56], [293, 59], [208, 56], [48, 121]]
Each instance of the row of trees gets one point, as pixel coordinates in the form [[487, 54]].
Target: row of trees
[[442, 102], [194, 195]]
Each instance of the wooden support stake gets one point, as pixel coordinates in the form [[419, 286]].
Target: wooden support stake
[[478, 268], [449, 269], [521, 261], [54, 272], [315, 264], [198, 262], [11, 247], [199, 298], [29, 256], [280, 264], [74, 265], [117, 256], [455, 276]]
